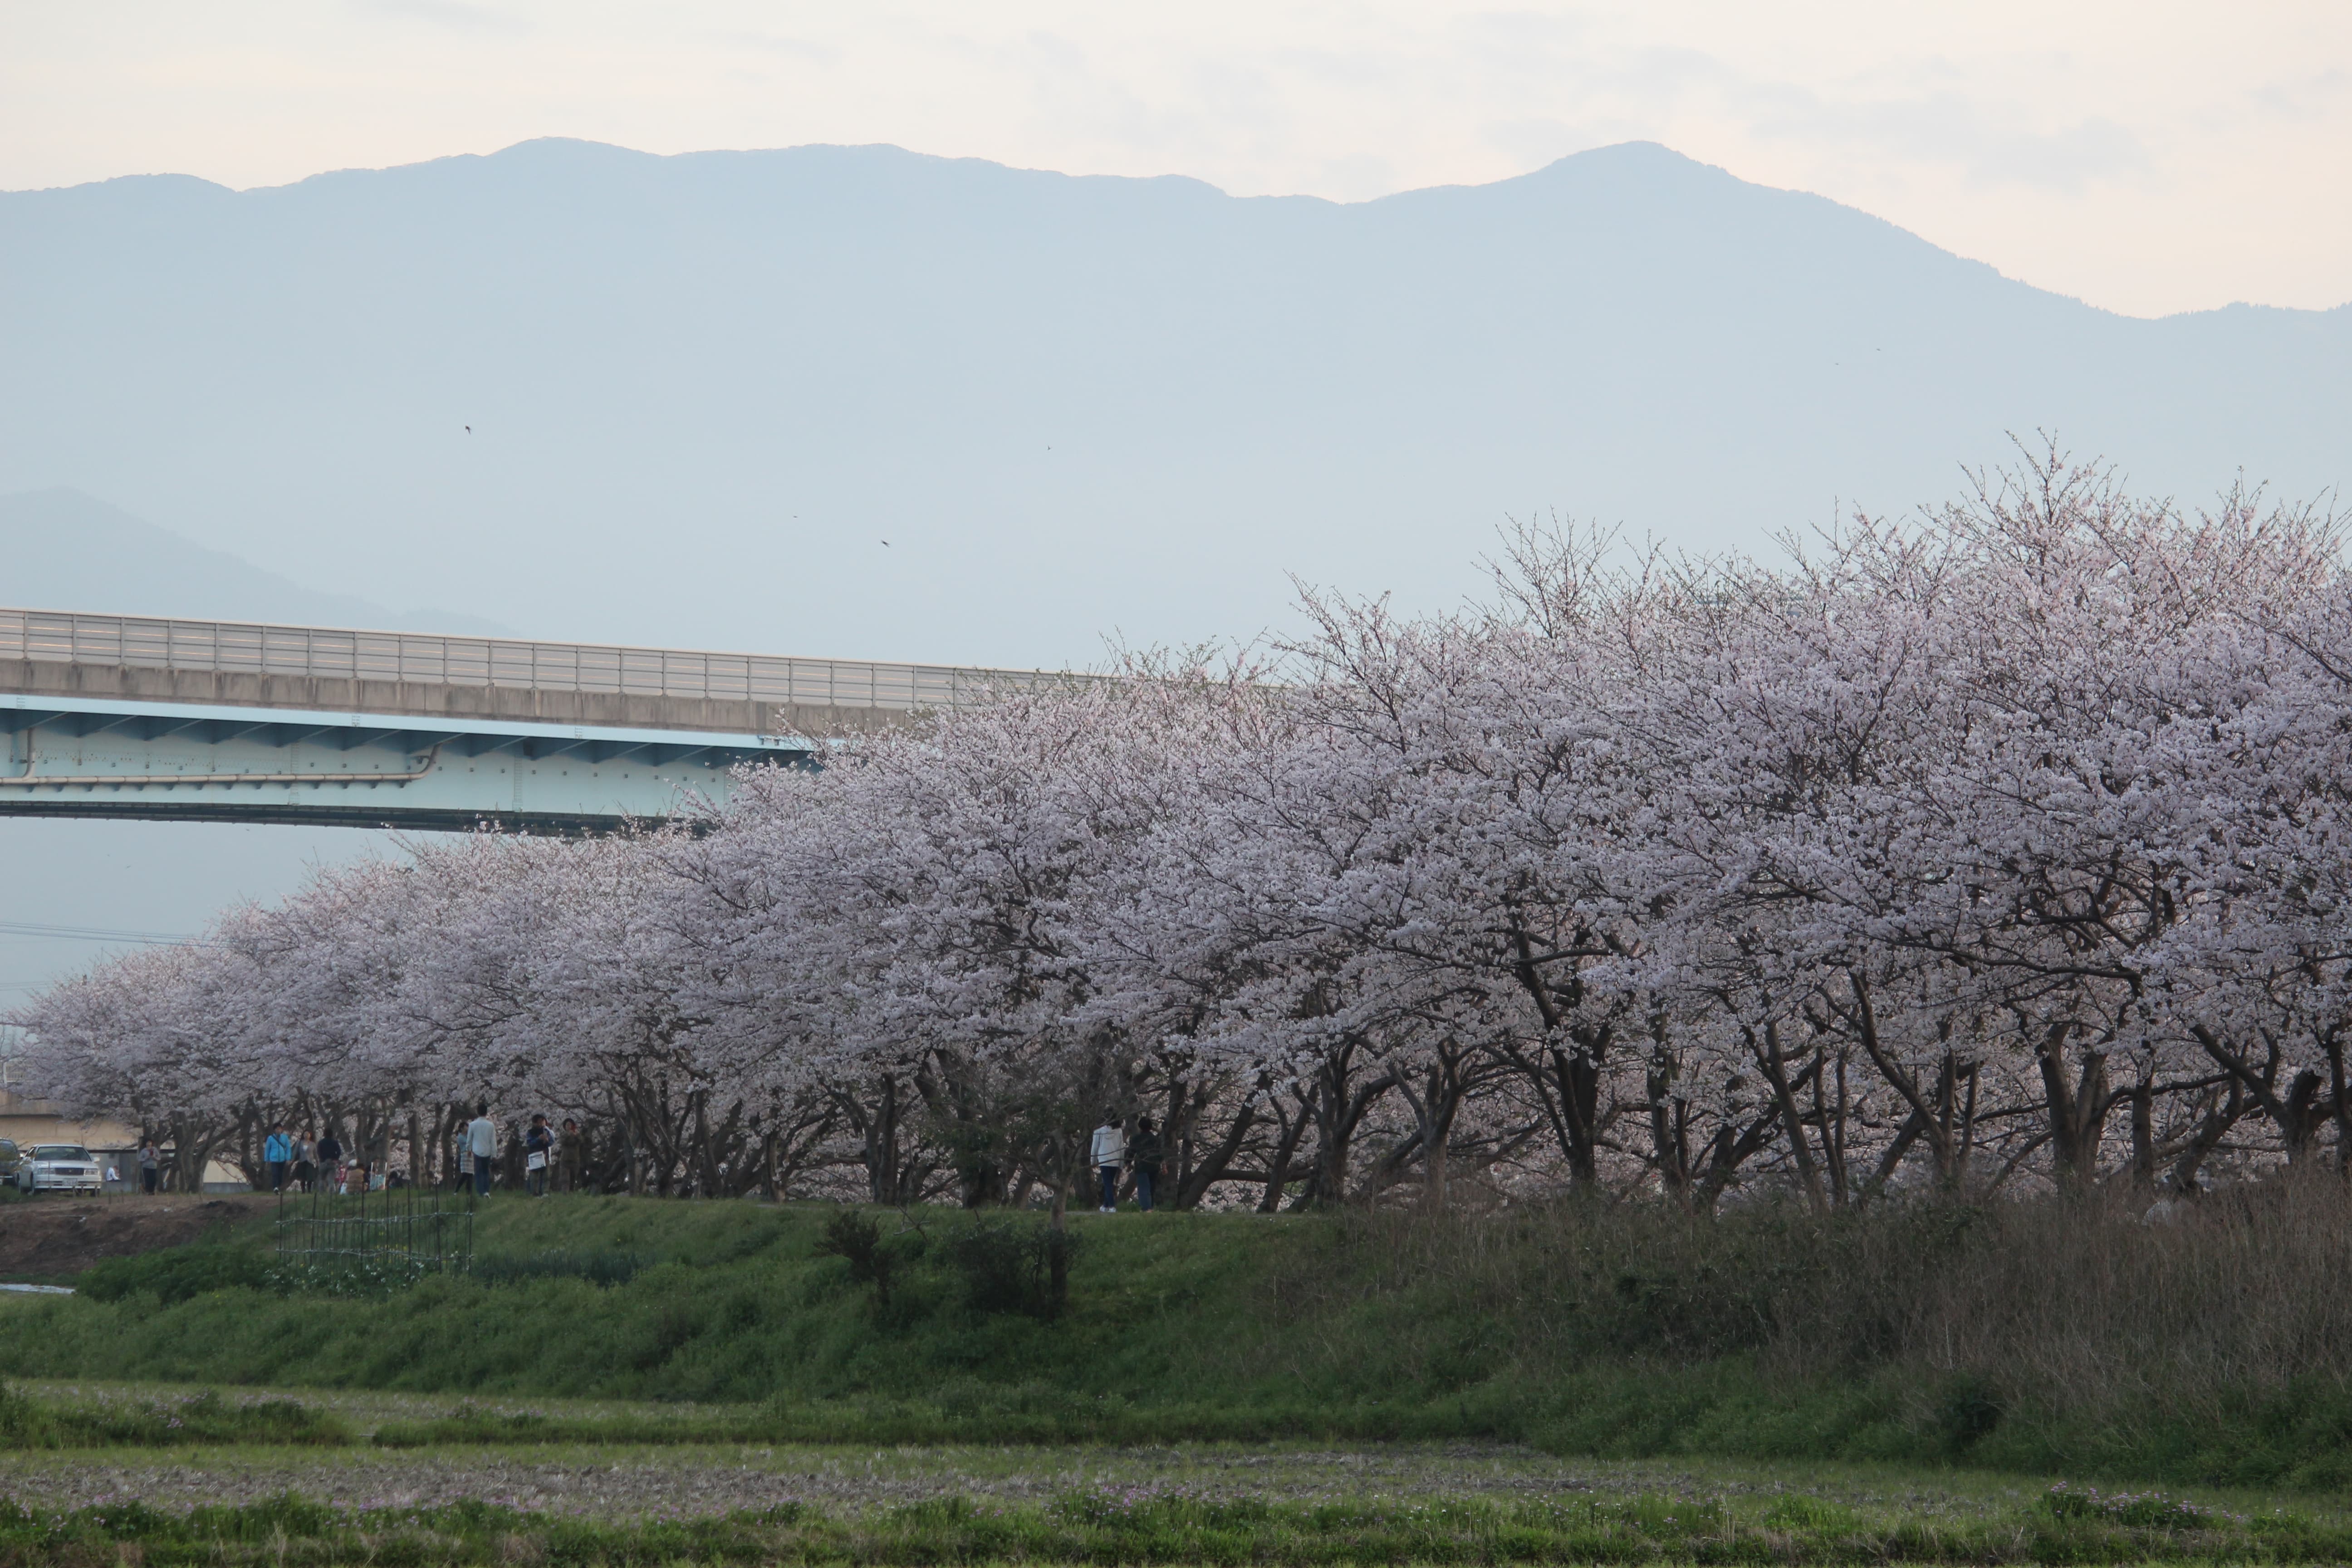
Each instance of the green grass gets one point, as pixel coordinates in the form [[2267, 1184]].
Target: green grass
[[1179, 1328], [242, 1500], [738, 1308], [1160, 1525], [204, 1418]]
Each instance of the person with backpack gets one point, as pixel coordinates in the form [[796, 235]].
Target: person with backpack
[[1107, 1155]]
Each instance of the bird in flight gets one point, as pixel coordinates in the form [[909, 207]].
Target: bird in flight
[[886, 544], [470, 429]]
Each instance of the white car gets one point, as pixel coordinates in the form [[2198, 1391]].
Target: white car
[[59, 1168]]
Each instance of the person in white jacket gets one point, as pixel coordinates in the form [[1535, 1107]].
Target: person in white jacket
[[482, 1143], [1109, 1154]]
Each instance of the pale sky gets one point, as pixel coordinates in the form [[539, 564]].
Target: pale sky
[[2149, 156]]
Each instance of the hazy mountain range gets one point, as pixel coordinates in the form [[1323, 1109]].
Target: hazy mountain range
[[704, 390], [62, 550]]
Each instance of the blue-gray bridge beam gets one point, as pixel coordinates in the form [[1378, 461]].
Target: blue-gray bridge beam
[[87, 756]]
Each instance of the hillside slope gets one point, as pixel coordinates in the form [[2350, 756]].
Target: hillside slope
[[1935, 1334]]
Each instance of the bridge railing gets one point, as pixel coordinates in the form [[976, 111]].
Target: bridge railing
[[153, 643]]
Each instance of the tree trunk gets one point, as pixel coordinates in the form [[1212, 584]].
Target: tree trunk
[[1766, 1049], [2077, 1110]]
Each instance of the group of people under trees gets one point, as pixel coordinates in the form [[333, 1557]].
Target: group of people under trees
[[2001, 850], [306, 1161], [540, 1160]]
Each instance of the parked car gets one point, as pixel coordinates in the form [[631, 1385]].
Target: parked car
[[10, 1161], [59, 1168]]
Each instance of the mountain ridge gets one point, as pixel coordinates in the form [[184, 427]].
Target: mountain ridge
[[683, 399], [625, 153], [59, 550]]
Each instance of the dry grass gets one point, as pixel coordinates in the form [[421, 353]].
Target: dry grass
[[2077, 1302]]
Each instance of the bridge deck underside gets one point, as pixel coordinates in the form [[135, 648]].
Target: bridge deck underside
[[163, 762]]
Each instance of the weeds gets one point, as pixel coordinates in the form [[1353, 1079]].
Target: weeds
[[1144, 1526], [371, 1276], [206, 1417], [177, 1274], [2147, 1510], [603, 1269]]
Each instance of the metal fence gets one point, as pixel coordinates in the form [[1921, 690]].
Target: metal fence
[[146, 643], [389, 1236]]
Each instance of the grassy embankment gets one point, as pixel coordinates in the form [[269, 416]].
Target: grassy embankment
[[2044, 1338]]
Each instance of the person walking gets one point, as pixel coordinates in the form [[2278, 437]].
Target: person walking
[[151, 1167], [537, 1144], [306, 1155], [1109, 1154], [1143, 1158], [482, 1143], [572, 1157], [278, 1153], [329, 1155]]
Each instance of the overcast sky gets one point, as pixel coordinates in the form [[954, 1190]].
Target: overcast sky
[[2147, 155]]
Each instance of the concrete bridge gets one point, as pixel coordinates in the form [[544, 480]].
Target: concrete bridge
[[224, 721]]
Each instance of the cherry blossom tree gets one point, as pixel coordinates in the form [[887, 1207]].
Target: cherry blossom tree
[[1999, 846]]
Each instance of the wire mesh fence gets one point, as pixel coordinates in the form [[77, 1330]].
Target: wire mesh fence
[[393, 1236]]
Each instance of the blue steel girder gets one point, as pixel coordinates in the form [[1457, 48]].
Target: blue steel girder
[[69, 756]]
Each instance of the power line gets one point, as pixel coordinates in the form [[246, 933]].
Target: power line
[[89, 933]]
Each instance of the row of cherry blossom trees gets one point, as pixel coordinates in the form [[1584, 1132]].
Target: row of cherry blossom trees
[[2003, 847]]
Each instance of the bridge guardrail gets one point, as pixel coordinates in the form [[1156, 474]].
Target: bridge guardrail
[[155, 643]]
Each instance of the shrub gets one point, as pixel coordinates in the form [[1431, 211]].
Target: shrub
[[23, 1423], [177, 1274], [857, 1240], [603, 1269], [1013, 1265]]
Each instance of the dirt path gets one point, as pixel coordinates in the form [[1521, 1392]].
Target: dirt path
[[52, 1239]]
